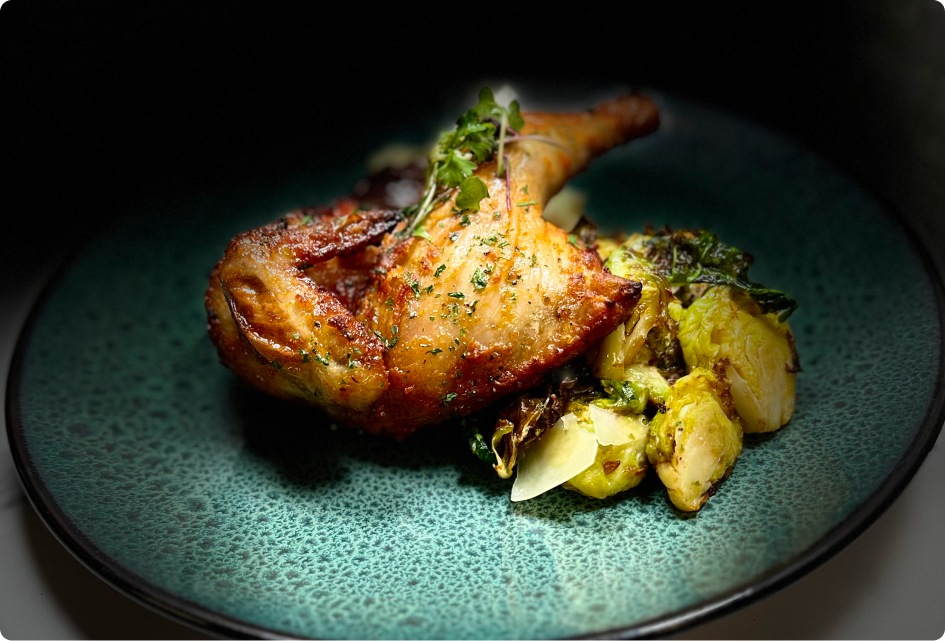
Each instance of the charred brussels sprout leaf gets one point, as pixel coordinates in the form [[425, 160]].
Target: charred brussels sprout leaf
[[649, 335], [522, 423], [685, 257]]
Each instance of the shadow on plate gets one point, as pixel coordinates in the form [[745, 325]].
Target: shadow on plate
[[309, 449]]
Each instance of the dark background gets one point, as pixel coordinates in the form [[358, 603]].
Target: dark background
[[107, 105]]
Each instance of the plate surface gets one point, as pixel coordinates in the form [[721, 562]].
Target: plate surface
[[235, 512]]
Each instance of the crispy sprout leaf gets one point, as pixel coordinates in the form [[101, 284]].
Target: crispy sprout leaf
[[684, 257], [529, 415]]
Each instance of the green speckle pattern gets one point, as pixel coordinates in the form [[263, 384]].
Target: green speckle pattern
[[260, 511]]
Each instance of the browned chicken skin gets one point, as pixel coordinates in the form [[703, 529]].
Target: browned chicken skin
[[415, 330]]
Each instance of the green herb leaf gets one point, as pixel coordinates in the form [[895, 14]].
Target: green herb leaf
[[515, 117], [455, 168], [439, 270], [422, 233], [471, 192]]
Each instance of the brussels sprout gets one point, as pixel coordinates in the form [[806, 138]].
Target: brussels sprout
[[650, 379], [635, 341], [726, 330], [620, 463], [695, 442]]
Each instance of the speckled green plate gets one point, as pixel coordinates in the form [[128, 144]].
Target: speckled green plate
[[247, 516]]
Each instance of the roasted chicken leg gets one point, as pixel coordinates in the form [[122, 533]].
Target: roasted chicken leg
[[406, 333]]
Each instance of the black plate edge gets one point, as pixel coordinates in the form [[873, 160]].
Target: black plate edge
[[205, 620]]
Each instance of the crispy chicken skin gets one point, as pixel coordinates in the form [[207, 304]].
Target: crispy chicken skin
[[405, 334]]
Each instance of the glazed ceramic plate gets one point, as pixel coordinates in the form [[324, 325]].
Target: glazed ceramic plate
[[248, 516]]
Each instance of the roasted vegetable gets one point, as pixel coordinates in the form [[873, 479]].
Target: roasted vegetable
[[649, 336], [727, 326], [590, 449], [620, 462], [694, 444], [529, 415]]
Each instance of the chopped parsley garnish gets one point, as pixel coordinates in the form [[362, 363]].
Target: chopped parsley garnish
[[389, 344], [448, 398], [435, 351], [457, 295], [479, 279], [439, 270], [527, 203]]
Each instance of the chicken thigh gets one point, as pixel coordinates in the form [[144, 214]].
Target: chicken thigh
[[393, 336]]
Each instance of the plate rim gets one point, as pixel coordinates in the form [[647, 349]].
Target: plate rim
[[205, 620]]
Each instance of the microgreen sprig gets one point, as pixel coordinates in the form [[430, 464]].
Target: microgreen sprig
[[477, 136]]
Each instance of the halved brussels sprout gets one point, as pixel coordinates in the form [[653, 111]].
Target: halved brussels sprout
[[695, 442], [620, 463], [649, 335], [726, 329]]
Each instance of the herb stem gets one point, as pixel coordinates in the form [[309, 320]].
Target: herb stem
[[508, 186], [498, 125], [425, 207], [501, 154]]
